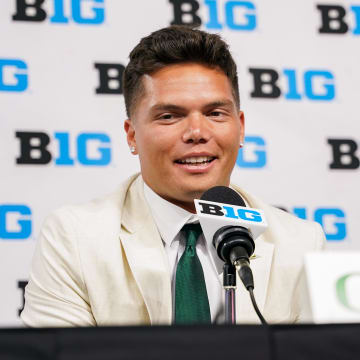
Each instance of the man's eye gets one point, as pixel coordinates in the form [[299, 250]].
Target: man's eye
[[166, 116], [216, 113]]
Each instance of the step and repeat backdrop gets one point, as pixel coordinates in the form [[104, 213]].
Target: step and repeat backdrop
[[62, 112]]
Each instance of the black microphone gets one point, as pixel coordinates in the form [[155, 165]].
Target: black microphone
[[234, 244]]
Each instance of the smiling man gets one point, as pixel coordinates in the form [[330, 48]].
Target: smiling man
[[138, 256], [187, 129]]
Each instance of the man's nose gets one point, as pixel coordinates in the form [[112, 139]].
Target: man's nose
[[196, 129]]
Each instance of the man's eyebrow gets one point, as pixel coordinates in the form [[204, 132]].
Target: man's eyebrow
[[219, 103], [166, 107], [173, 107]]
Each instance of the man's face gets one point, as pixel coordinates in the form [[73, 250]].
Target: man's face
[[187, 131]]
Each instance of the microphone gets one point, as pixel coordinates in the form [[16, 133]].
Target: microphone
[[233, 244], [232, 227]]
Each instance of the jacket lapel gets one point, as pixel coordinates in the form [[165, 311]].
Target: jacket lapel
[[260, 265], [146, 255]]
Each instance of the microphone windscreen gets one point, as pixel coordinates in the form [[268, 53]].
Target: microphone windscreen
[[224, 195]]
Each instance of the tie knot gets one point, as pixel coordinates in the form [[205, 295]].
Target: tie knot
[[192, 232]]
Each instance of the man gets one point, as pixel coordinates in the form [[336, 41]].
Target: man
[[127, 258]]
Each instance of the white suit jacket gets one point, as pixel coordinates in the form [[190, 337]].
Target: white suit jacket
[[104, 263]]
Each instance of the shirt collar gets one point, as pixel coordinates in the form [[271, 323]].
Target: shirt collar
[[168, 217]]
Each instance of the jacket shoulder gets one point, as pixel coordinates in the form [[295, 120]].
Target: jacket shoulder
[[283, 226], [97, 214]]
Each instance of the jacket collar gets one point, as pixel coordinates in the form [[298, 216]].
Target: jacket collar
[[260, 265]]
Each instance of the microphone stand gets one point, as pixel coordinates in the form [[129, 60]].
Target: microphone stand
[[229, 284]]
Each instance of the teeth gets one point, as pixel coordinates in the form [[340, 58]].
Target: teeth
[[196, 160]]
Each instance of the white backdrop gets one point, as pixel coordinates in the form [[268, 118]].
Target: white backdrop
[[48, 82]]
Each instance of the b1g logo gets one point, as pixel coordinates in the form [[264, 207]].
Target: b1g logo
[[317, 85], [234, 15], [332, 220], [344, 155], [13, 75], [253, 154], [92, 149], [214, 215], [15, 222], [84, 12], [230, 211], [110, 78], [333, 19]]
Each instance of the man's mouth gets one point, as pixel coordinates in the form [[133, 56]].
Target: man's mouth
[[196, 160]]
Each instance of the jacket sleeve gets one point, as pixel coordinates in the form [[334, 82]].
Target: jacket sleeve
[[302, 304], [56, 294]]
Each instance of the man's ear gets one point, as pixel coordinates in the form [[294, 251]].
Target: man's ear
[[242, 128], [130, 135]]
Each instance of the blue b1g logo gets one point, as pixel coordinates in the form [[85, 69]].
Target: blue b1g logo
[[84, 12], [239, 15], [253, 155], [333, 221], [234, 15], [15, 222], [228, 211], [34, 149], [13, 75], [314, 85]]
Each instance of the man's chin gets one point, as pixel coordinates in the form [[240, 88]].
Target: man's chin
[[195, 192], [184, 198], [183, 193]]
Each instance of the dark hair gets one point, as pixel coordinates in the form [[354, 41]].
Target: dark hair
[[173, 45]]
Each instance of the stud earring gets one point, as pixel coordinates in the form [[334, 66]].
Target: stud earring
[[241, 144], [132, 149]]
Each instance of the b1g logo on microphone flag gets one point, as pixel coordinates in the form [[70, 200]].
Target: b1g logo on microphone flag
[[214, 215]]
